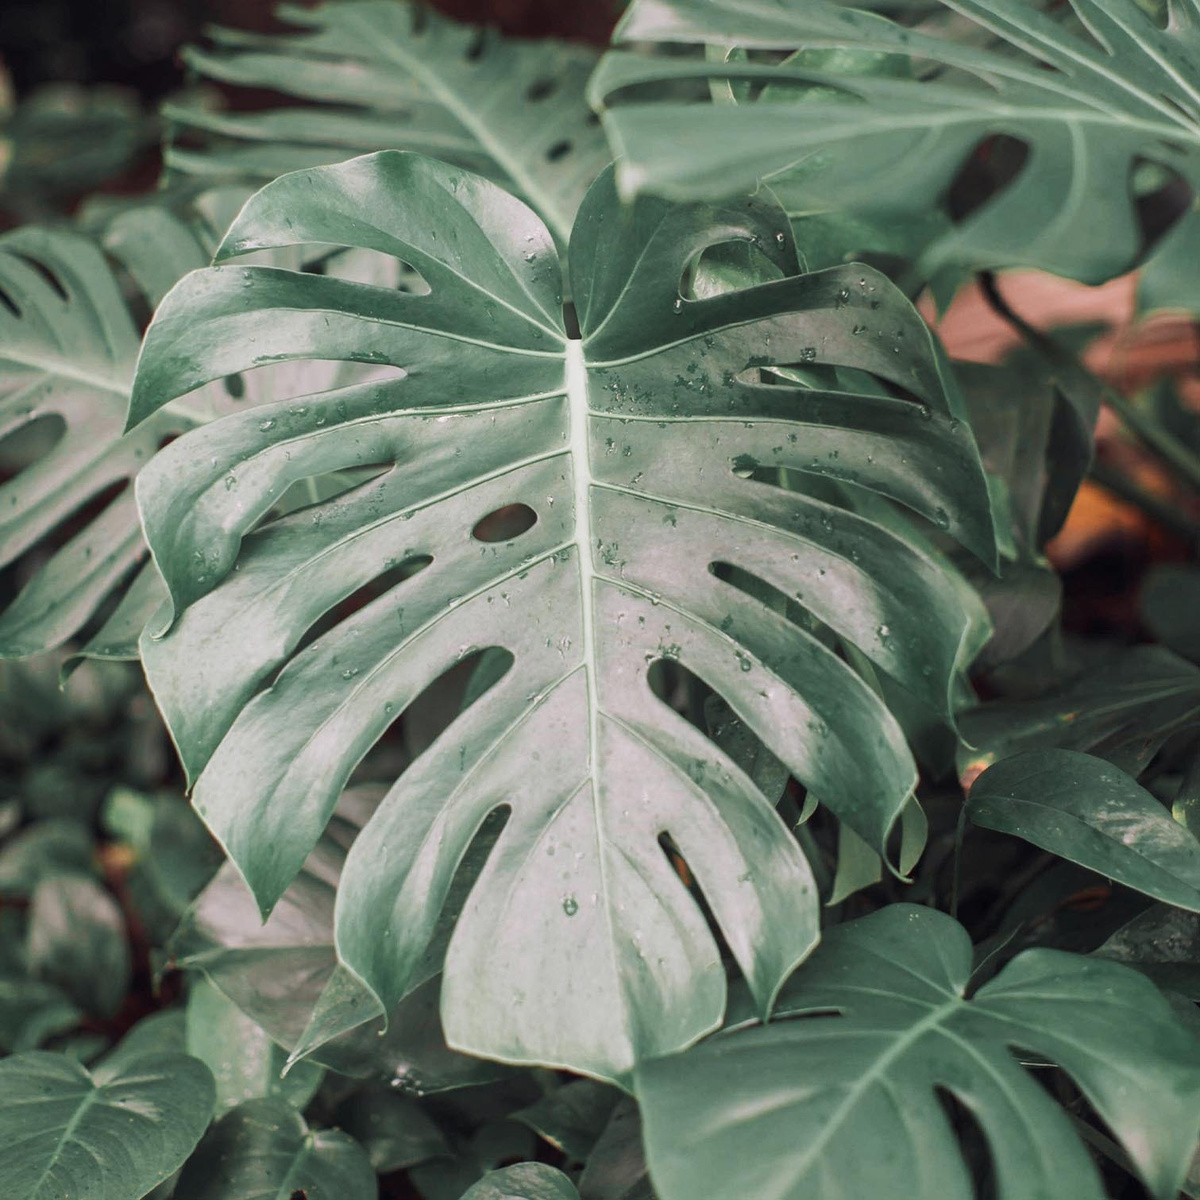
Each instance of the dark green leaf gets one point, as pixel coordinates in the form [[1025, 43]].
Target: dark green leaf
[[110, 1134], [844, 1102], [392, 1128], [573, 1116], [263, 1148], [1161, 942], [1086, 810]]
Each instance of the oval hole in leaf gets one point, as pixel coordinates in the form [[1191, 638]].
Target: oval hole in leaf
[[23, 446], [990, 168], [391, 576], [540, 90], [558, 151], [505, 524], [1161, 196], [35, 264], [448, 696]]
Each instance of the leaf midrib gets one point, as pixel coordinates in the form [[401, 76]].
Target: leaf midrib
[[559, 222]]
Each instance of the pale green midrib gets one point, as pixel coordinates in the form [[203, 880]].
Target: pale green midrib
[[581, 474], [559, 222], [68, 1130]]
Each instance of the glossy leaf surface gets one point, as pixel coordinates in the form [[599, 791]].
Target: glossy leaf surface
[[106, 1135], [1087, 811], [1091, 95], [630, 450], [781, 1112]]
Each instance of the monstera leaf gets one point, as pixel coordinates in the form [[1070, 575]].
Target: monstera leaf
[[1099, 99], [68, 344], [69, 340], [645, 459], [391, 75], [779, 1113]]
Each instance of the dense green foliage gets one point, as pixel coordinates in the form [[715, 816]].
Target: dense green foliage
[[634, 746]]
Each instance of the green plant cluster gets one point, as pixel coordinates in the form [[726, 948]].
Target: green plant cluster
[[633, 745]]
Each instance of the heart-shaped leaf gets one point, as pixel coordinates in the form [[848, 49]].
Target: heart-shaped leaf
[[525, 1181], [107, 1135], [844, 1102], [645, 458]]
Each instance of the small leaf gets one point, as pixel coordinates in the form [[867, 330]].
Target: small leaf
[[265, 1148], [525, 1181], [52, 846], [573, 1116], [1087, 811], [109, 1134]]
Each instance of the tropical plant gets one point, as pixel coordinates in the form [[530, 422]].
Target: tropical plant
[[639, 740]]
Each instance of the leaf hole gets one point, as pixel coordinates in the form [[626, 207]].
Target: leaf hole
[[447, 697], [476, 46], [392, 575], [24, 444], [52, 281], [1161, 196], [990, 168], [679, 689], [558, 151], [725, 267], [973, 1144], [9, 304], [235, 386], [505, 523], [541, 89]]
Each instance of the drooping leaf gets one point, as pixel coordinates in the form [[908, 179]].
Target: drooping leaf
[[276, 972], [245, 1063], [1086, 810], [525, 1181], [1091, 98], [782, 1112], [108, 1134], [392, 75], [264, 1148], [579, 944], [78, 941]]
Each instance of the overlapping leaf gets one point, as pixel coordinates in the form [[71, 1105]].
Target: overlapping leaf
[[844, 1103], [1093, 99], [392, 75], [644, 457]]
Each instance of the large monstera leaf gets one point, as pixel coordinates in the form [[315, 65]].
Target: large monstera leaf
[[643, 455], [1095, 93], [779, 1112], [393, 75]]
